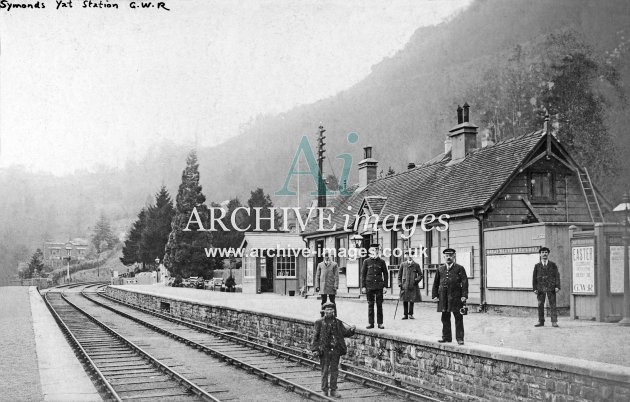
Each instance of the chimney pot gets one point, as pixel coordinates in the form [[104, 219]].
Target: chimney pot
[[460, 119], [367, 152], [367, 168], [411, 165], [463, 137], [466, 112]]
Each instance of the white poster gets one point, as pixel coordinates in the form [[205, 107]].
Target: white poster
[[309, 272], [583, 270], [352, 274], [616, 269], [263, 267]]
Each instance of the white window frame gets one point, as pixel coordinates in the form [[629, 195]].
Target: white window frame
[[282, 261]]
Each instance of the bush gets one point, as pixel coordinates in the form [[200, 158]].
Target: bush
[[177, 283]]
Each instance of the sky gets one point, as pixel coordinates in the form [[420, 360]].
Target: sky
[[82, 87]]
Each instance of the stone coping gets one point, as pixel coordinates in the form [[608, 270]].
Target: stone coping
[[606, 371]]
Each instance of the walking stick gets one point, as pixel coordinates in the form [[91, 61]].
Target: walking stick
[[395, 311]]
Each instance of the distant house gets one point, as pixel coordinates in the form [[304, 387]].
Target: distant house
[[55, 252], [504, 201]]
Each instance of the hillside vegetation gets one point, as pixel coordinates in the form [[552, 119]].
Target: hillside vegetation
[[403, 108]]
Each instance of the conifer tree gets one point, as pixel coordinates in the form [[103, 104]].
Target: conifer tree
[[157, 228], [103, 238], [185, 250], [259, 199], [131, 250], [36, 265]]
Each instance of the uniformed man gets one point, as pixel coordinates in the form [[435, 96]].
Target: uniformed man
[[374, 278], [546, 282], [450, 287]]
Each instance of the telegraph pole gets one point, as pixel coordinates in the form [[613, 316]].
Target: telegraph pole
[[321, 185]]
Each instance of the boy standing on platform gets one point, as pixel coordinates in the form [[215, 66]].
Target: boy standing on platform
[[329, 344]]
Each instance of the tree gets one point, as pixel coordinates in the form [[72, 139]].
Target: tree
[[258, 199], [36, 265], [157, 227], [131, 250], [579, 111], [184, 251], [390, 171], [232, 237], [103, 237], [562, 77]]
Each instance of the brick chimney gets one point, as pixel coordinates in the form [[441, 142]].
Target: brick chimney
[[367, 167], [463, 136]]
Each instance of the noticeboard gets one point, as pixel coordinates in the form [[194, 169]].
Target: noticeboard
[[583, 260], [511, 271], [499, 271], [616, 269], [523, 270]]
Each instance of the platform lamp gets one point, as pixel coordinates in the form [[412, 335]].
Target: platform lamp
[[356, 239], [157, 269], [625, 208]]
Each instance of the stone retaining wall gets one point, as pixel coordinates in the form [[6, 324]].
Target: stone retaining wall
[[483, 371]]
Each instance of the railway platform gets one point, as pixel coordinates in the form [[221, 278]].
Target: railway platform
[[575, 339], [38, 363]]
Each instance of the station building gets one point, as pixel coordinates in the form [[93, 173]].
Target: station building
[[274, 262], [503, 200]]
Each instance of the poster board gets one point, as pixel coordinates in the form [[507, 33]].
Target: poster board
[[583, 262], [464, 257], [523, 270], [263, 266], [352, 274], [309, 272], [616, 268], [499, 269]]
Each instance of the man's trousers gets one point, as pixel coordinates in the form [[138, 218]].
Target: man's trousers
[[330, 367], [446, 326], [552, 304], [375, 295]]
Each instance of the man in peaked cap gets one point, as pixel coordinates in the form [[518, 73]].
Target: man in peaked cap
[[450, 287], [374, 278], [546, 283], [329, 344]]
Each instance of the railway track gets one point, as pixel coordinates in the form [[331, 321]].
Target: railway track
[[122, 369], [290, 370]]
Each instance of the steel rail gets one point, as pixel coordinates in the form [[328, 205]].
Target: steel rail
[[192, 387], [353, 377], [77, 346], [264, 374]]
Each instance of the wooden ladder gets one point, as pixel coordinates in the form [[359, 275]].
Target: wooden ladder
[[591, 198]]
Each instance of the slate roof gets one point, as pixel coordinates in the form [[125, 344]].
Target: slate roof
[[436, 187], [375, 203]]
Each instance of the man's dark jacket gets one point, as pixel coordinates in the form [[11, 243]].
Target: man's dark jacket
[[546, 279], [341, 332], [374, 274], [449, 286]]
